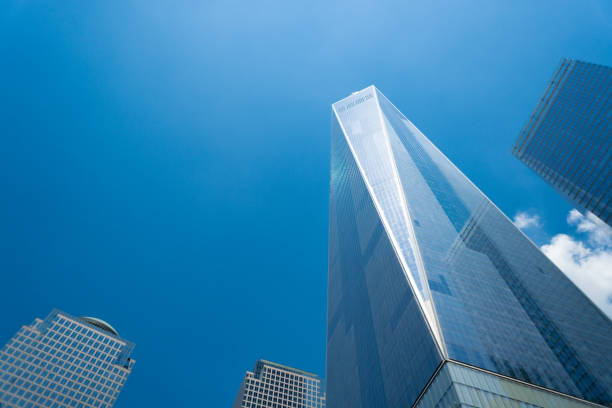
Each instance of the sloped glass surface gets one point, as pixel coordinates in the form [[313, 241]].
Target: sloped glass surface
[[363, 127], [380, 351]]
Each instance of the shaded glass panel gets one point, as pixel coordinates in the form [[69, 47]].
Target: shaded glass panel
[[502, 305], [460, 386]]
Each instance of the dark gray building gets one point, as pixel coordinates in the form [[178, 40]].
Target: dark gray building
[[435, 298], [64, 362], [273, 385], [568, 139]]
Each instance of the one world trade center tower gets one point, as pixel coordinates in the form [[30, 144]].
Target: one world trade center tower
[[435, 298]]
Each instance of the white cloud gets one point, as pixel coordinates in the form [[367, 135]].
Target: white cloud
[[588, 265], [523, 220], [599, 233]]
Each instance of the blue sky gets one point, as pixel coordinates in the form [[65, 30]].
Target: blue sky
[[164, 165]]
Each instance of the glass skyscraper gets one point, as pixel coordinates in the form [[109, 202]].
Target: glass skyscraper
[[272, 385], [435, 298], [568, 139], [64, 361]]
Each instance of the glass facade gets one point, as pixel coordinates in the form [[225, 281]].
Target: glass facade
[[64, 361], [568, 139], [424, 269], [458, 385], [273, 385]]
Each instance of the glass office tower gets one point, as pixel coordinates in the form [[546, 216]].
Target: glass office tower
[[64, 361], [568, 139], [272, 385], [435, 298]]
